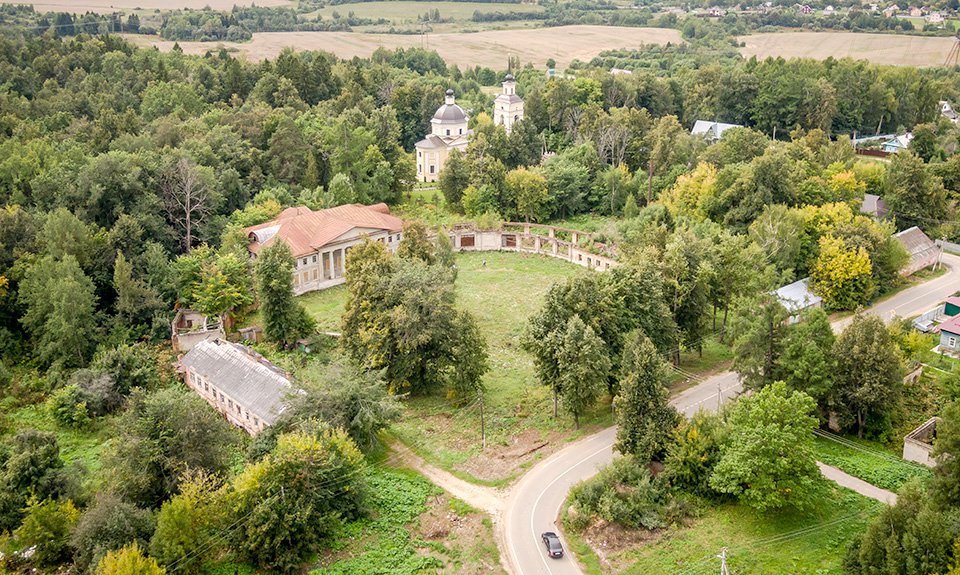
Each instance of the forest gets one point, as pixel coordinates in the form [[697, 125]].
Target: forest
[[127, 176]]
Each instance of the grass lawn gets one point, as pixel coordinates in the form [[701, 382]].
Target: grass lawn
[[811, 544], [501, 295], [872, 462]]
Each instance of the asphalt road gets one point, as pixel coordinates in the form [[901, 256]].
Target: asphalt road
[[535, 502]]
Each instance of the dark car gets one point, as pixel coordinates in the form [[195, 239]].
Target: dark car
[[552, 543]]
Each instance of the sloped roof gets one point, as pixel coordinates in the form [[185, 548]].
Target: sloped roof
[[916, 242], [952, 325], [509, 99], [713, 130], [242, 374], [873, 205], [306, 231], [797, 296]]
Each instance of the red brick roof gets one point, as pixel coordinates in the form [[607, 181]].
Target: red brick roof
[[306, 231]]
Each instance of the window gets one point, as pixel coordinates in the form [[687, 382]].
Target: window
[[398, 237], [390, 239], [951, 342], [431, 168], [255, 421], [314, 274], [206, 386], [419, 154], [230, 403], [314, 259], [238, 409], [304, 261], [448, 131], [305, 277], [461, 130]]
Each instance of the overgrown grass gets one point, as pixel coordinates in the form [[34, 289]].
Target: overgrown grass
[[761, 544], [872, 463], [386, 541], [80, 446]]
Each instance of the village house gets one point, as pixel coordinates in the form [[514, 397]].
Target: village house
[[508, 107], [897, 143], [249, 391], [923, 251], [320, 240], [797, 298], [711, 131], [946, 110], [891, 11]]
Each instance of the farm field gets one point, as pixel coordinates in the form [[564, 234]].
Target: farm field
[[895, 49], [402, 11], [489, 48], [109, 6]]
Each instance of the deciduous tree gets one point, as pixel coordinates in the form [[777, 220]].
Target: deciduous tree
[[583, 366], [767, 461], [284, 319]]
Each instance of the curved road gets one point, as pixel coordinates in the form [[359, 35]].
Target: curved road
[[534, 503]]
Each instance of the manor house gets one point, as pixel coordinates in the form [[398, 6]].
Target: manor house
[[320, 240], [448, 129]]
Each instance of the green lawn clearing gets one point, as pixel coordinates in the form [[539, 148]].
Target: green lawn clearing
[[869, 461], [757, 544]]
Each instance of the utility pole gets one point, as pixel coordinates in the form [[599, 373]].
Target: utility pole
[[940, 255], [719, 397], [723, 562], [483, 429]]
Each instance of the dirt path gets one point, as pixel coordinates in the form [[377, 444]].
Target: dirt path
[[486, 499], [860, 486]]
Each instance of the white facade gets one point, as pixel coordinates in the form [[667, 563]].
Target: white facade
[[326, 267], [508, 107], [448, 131]]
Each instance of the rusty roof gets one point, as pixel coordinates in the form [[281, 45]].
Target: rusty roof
[[307, 231]]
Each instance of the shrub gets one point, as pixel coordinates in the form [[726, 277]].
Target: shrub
[[625, 492]]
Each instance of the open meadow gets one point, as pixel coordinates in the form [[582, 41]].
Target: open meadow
[[109, 6], [489, 48], [894, 49]]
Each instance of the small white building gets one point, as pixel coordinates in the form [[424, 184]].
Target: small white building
[[508, 107], [711, 131], [797, 298]]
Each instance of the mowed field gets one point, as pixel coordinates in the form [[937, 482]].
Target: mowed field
[[899, 50], [401, 11], [490, 48], [109, 6]]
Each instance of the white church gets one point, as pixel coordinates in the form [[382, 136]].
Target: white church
[[448, 129]]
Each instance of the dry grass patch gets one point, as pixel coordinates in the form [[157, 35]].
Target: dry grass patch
[[894, 49], [490, 48]]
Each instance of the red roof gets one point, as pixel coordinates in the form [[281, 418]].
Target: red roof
[[306, 231], [953, 300], [952, 325]]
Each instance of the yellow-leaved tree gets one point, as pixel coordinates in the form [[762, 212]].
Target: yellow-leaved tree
[[692, 193], [129, 560], [841, 275]]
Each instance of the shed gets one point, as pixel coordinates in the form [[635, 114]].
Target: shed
[[951, 306], [797, 298], [923, 251], [918, 444], [873, 205]]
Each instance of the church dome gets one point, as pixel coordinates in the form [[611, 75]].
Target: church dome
[[450, 112]]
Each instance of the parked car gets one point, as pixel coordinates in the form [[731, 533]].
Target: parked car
[[552, 543]]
